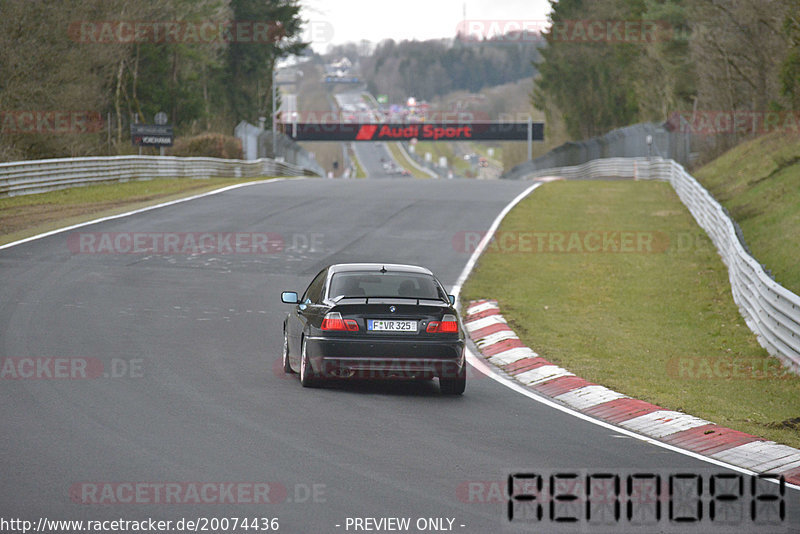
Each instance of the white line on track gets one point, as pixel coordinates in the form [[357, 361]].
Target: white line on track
[[456, 291], [473, 360], [479, 364], [141, 210]]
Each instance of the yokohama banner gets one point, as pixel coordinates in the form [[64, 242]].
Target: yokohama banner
[[423, 131]]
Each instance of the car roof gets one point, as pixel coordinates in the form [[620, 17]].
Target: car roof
[[377, 267]]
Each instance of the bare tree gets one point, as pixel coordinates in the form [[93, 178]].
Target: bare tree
[[738, 47]]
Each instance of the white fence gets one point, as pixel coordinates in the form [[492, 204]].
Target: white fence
[[770, 310], [27, 177]]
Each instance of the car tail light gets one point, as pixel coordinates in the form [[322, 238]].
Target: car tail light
[[334, 321], [448, 325]]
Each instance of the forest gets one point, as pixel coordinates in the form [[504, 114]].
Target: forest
[[69, 66], [723, 56], [76, 75], [425, 69]]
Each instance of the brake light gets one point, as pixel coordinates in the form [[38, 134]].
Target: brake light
[[334, 321], [448, 325]]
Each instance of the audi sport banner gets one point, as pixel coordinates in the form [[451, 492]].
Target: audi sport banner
[[425, 131]]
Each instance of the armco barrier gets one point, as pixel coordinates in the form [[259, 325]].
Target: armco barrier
[[27, 177], [770, 310]]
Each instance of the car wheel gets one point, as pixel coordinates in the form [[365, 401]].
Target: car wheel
[[454, 386], [307, 377], [287, 368]]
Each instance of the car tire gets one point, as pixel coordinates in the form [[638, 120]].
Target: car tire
[[287, 368], [454, 386], [307, 377]]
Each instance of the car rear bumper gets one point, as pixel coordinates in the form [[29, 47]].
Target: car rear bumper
[[397, 358]]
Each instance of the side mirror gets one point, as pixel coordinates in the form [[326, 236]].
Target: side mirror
[[452, 299], [289, 297]]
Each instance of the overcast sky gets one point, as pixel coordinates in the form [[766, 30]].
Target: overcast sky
[[340, 21]]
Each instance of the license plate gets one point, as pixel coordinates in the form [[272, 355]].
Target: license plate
[[391, 325]]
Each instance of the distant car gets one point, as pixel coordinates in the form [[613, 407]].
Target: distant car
[[373, 320]]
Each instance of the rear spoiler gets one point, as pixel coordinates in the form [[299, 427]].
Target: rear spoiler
[[429, 302]]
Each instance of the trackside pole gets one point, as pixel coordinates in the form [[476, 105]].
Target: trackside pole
[[274, 118], [530, 138]]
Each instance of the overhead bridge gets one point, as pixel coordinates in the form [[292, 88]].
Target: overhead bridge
[[421, 131]]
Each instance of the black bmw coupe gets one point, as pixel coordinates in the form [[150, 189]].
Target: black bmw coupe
[[372, 320]]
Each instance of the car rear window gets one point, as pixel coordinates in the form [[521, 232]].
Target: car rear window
[[372, 284]]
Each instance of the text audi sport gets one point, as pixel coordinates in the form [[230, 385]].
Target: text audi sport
[[370, 320]]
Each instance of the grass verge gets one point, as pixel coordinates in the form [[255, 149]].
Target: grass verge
[[483, 150], [758, 182], [358, 169], [29, 215], [440, 149], [400, 157], [657, 323]]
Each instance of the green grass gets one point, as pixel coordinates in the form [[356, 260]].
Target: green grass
[[631, 320], [28, 215], [359, 169], [759, 183], [483, 150], [439, 149], [400, 157]]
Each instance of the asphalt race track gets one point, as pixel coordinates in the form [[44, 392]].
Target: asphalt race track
[[372, 156], [202, 401]]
